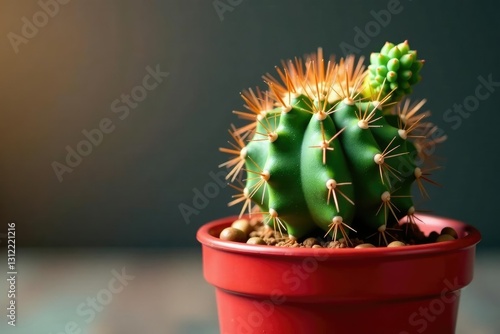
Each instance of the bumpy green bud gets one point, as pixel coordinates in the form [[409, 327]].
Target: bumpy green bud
[[393, 71]]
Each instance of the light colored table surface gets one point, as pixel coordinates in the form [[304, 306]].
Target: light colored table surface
[[164, 293]]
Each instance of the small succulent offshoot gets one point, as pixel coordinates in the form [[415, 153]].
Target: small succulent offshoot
[[333, 145]]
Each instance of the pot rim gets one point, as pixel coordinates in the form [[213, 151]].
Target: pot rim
[[470, 239]]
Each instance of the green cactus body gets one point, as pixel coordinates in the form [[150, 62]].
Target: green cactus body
[[325, 170], [287, 204], [329, 152]]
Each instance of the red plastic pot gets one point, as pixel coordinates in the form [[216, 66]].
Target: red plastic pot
[[267, 289]]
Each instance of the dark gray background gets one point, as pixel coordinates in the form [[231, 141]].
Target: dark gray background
[[128, 190]]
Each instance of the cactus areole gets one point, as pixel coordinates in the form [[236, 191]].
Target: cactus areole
[[333, 145]]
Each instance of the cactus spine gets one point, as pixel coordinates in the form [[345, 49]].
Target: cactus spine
[[327, 144]]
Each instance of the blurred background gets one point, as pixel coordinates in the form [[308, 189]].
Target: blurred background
[[144, 91]]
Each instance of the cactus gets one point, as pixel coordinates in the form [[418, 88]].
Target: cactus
[[333, 146]]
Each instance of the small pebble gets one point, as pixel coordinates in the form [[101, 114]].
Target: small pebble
[[333, 244], [449, 231], [271, 241], [317, 246], [256, 241], [365, 246], [433, 236], [232, 234], [396, 244], [243, 225], [445, 237], [254, 234], [309, 242]]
